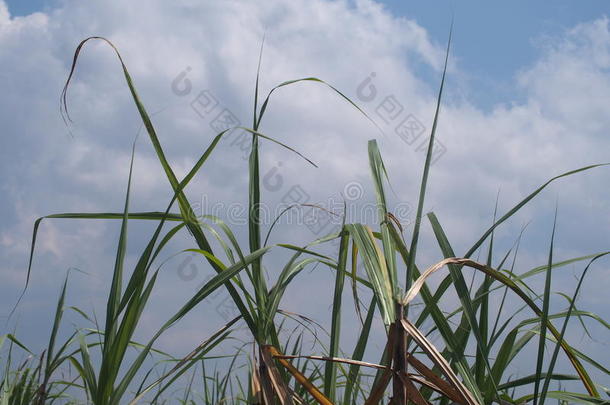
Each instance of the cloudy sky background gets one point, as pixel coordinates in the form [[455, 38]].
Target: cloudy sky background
[[527, 98]]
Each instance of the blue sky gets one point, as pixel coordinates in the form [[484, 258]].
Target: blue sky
[[527, 98], [494, 40]]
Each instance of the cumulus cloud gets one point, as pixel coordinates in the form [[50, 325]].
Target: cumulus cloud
[[560, 124]]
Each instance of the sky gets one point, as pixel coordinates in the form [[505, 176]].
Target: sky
[[526, 98]]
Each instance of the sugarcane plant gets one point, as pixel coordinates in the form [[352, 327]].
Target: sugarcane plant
[[257, 306], [442, 376], [381, 267], [479, 383]]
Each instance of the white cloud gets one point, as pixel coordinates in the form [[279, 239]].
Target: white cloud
[[515, 146]]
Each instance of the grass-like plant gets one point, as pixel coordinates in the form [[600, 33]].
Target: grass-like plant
[[280, 371]]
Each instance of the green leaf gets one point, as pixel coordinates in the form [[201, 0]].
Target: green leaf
[[544, 318], [424, 180], [330, 368]]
